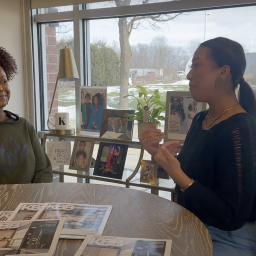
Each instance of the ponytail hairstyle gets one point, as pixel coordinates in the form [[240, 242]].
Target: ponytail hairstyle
[[224, 51]]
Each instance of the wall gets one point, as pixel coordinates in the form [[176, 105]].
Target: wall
[[11, 40]]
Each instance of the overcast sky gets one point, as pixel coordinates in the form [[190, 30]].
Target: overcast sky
[[235, 23]]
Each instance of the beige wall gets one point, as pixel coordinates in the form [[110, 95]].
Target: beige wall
[[11, 39]]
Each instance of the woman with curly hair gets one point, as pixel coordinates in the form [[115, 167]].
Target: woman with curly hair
[[22, 159]]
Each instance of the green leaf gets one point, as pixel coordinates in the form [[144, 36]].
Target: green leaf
[[142, 90], [156, 91]]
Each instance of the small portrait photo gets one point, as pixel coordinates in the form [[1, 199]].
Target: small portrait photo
[[82, 154], [148, 173], [93, 100], [115, 125], [110, 160], [181, 108]]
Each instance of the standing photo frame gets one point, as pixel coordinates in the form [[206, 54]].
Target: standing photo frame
[[148, 173], [92, 102], [180, 111], [115, 126], [111, 160], [82, 154]]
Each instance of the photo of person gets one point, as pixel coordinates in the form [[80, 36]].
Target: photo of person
[[93, 101], [86, 109], [110, 160], [181, 110], [115, 126], [81, 155], [148, 172], [112, 127]]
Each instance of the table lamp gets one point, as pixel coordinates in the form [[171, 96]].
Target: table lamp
[[67, 72]]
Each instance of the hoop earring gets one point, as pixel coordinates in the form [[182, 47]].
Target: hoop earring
[[219, 83]]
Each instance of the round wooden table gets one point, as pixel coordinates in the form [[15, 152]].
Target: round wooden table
[[134, 214]]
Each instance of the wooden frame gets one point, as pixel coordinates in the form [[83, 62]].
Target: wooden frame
[[88, 153], [180, 111], [114, 114]]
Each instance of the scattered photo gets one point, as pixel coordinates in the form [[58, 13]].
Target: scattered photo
[[26, 211], [115, 246], [115, 125], [148, 173], [80, 219], [82, 154], [5, 215], [93, 100], [29, 237], [110, 160], [180, 111]]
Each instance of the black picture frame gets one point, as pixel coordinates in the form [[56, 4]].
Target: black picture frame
[[108, 163]]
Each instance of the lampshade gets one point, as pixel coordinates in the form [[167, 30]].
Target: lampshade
[[67, 66]]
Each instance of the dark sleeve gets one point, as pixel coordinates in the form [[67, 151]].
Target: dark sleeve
[[43, 167], [228, 205]]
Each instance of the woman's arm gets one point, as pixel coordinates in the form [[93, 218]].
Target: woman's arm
[[43, 167]]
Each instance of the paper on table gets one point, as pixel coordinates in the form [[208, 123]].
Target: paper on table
[[111, 246], [30, 237], [5, 215], [80, 219]]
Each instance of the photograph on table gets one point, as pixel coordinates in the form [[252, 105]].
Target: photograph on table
[[148, 172], [180, 111], [115, 126], [92, 102], [82, 154], [110, 160]]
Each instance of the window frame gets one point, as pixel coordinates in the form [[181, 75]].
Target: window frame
[[80, 16]]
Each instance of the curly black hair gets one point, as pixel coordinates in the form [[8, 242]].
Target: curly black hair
[[8, 64]]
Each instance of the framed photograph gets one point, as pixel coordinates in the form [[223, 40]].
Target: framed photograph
[[148, 172], [92, 102], [59, 152], [180, 111], [82, 154], [110, 160], [115, 126]]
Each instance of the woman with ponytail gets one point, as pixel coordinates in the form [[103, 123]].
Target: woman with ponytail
[[215, 172]]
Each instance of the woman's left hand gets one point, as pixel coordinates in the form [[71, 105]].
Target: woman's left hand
[[172, 166]]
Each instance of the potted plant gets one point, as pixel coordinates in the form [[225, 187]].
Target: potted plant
[[153, 103]]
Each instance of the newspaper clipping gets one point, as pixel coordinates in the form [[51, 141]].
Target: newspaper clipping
[[29, 237], [26, 211], [5, 215], [80, 219], [115, 246]]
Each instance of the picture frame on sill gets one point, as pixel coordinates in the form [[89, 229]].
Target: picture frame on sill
[[92, 101], [148, 172], [81, 158], [180, 111], [110, 160], [115, 126]]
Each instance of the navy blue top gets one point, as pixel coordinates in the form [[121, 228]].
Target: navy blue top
[[222, 161]]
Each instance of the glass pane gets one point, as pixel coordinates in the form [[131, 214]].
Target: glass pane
[[118, 3], [56, 9], [156, 51], [55, 36]]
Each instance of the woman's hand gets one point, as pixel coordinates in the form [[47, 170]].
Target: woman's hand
[[150, 139], [172, 166]]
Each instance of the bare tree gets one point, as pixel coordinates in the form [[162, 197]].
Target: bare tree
[[192, 46], [126, 26]]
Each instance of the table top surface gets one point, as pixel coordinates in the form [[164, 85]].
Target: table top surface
[[134, 214]]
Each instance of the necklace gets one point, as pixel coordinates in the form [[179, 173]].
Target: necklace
[[218, 117]]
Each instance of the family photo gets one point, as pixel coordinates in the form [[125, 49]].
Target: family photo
[[93, 101], [81, 155], [110, 160], [115, 125]]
